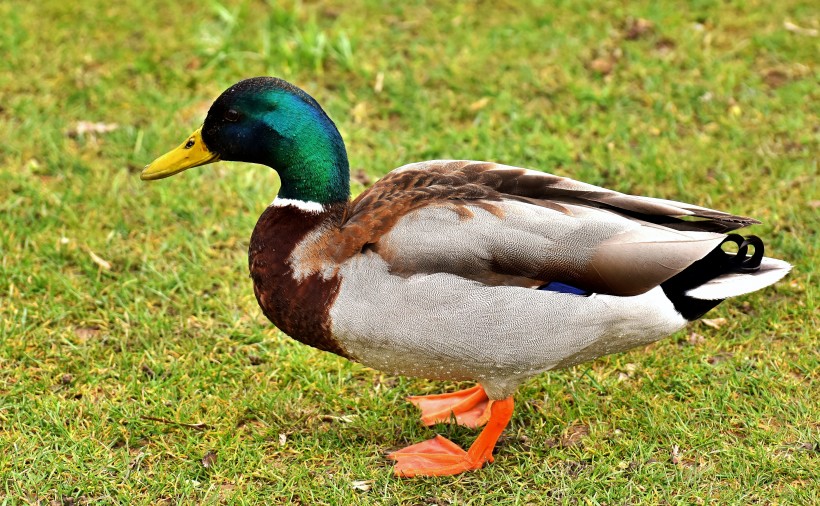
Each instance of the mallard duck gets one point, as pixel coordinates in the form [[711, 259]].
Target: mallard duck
[[461, 270]]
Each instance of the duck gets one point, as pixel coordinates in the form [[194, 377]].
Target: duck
[[462, 270]]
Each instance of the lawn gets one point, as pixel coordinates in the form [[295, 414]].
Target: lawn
[[136, 367]]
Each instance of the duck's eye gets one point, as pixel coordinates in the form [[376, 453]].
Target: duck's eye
[[231, 115], [190, 144]]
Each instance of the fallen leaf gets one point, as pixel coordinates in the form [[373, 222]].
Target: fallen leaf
[[814, 204], [775, 78], [87, 332], [637, 28], [378, 86], [602, 66], [574, 435], [479, 104], [209, 460], [791, 27], [283, 438], [99, 261], [715, 323], [363, 485]]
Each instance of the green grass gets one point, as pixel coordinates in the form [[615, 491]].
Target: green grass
[[717, 105]]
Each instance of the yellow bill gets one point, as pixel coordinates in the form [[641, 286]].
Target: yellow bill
[[191, 153]]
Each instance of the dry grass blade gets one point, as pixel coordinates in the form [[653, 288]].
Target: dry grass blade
[[195, 426]]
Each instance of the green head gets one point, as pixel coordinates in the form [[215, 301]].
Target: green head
[[268, 121]]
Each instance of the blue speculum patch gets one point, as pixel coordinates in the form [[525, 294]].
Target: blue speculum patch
[[555, 286]]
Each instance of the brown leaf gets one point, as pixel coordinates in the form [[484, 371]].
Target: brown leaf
[[775, 78], [637, 28], [715, 323], [209, 459], [602, 66], [574, 435], [87, 332]]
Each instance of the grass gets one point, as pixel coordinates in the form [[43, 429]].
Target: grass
[[157, 380]]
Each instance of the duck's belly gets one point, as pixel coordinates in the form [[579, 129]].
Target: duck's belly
[[442, 326]]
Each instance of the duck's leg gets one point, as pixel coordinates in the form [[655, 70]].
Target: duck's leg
[[441, 457], [471, 407]]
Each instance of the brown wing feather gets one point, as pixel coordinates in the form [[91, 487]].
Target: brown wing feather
[[482, 185], [424, 182]]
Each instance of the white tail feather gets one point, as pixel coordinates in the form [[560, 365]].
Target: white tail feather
[[731, 285]]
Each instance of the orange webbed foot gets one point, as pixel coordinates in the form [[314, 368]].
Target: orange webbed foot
[[471, 407], [441, 457], [436, 457]]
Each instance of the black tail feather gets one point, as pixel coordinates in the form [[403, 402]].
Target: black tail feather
[[716, 263]]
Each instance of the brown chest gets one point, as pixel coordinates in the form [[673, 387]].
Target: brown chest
[[298, 307]]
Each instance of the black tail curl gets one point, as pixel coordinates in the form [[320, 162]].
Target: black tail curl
[[741, 262], [716, 263]]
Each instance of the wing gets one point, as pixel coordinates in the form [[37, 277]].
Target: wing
[[504, 225]]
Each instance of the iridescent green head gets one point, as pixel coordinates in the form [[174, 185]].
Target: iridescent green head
[[268, 121]]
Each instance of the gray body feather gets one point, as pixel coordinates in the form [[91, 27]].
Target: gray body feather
[[442, 326]]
